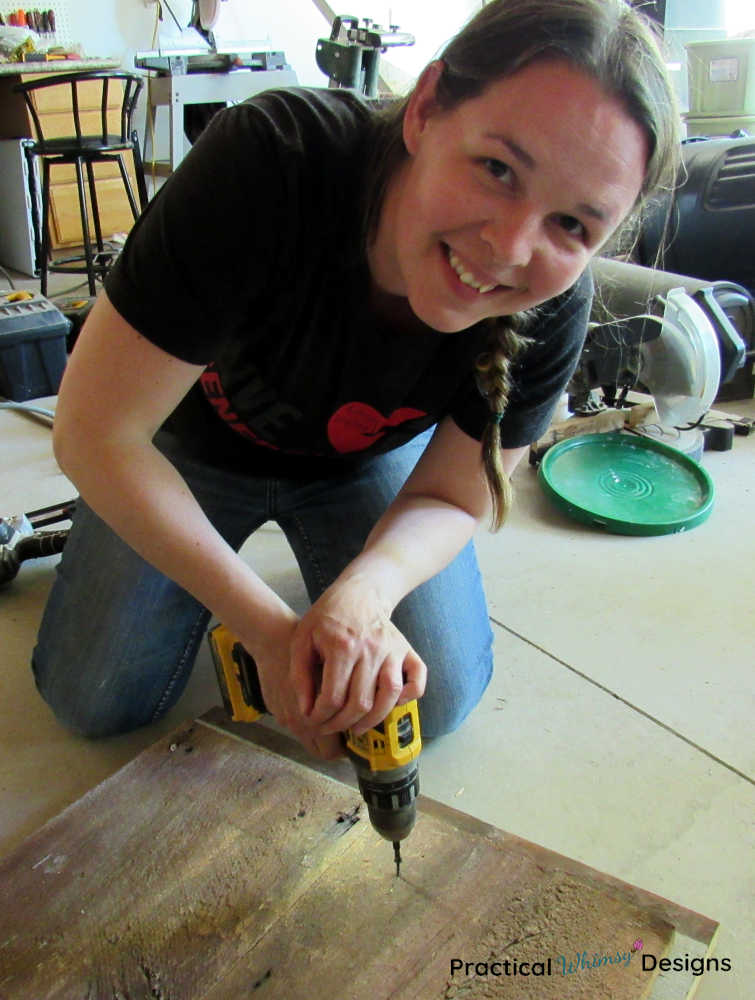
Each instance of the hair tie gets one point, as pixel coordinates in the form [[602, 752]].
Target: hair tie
[[497, 418]]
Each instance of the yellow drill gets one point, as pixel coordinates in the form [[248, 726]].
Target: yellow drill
[[385, 757]]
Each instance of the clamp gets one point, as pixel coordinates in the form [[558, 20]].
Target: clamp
[[350, 56]]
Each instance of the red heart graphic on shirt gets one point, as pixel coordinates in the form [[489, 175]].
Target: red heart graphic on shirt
[[355, 426]]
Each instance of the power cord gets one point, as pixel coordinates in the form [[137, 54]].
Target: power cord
[[7, 277], [47, 416]]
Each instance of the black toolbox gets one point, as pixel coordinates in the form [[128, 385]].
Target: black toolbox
[[32, 346]]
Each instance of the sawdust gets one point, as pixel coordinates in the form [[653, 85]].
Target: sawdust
[[581, 939]]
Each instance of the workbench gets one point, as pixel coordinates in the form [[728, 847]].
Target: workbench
[[217, 864], [57, 66]]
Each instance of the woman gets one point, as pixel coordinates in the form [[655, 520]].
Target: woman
[[314, 290]]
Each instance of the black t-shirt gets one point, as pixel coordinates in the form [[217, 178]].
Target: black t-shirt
[[250, 260]]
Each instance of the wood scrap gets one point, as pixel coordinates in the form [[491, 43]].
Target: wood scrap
[[604, 422]]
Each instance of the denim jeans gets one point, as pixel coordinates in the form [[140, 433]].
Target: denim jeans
[[118, 639]]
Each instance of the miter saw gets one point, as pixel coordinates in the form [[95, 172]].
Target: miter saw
[[204, 17], [201, 50], [672, 336], [704, 226]]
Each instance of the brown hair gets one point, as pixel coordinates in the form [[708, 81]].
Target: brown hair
[[612, 43]]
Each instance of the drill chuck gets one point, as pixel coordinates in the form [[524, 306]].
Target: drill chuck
[[391, 797]]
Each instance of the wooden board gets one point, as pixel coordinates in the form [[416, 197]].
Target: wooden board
[[211, 867]]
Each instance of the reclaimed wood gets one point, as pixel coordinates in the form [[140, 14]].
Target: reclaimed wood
[[211, 867]]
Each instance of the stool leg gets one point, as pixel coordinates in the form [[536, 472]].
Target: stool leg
[[129, 189], [45, 253], [85, 227], [141, 184], [95, 207]]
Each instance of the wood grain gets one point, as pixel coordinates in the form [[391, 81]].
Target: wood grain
[[213, 868]]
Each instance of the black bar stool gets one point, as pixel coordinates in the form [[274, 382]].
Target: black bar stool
[[83, 150]]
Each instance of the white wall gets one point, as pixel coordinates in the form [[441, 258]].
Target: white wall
[[704, 14], [740, 16], [112, 28]]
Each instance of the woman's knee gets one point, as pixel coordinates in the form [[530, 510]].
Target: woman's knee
[[85, 709], [109, 685], [445, 706]]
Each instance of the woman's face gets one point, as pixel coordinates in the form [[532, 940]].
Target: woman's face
[[503, 200]]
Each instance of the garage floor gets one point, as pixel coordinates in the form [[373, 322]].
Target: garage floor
[[617, 729]]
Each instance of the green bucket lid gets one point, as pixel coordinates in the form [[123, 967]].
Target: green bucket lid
[[626, 484]]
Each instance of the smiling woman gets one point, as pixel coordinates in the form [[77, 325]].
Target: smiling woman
[[354, 325], [585, 82]]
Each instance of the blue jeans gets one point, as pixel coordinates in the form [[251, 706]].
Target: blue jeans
[[118, 639]]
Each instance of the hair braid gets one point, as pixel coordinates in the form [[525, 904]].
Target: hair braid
[[493, 373]]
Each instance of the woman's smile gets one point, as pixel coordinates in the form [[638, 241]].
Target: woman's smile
[[468, 274]]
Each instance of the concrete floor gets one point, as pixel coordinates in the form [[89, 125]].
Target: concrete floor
[[617, 729]]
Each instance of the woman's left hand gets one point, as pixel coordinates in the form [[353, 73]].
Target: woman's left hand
[[366, 665]]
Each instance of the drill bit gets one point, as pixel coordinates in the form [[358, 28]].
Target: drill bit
[[397, 856]]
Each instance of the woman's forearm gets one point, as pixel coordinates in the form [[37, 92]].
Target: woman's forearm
[[416, 538], [431, 520]]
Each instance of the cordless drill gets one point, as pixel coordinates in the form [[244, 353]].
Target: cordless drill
[[384, 758]]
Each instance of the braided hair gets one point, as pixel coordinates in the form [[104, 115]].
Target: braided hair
[[505, 341]]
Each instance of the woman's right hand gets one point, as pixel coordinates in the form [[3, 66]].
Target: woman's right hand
[[273, 661]]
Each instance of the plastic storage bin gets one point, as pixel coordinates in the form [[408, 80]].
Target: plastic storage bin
[[32, 347], [721, 76]]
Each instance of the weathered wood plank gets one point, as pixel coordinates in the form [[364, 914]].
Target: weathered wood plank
[[357, 932], [166, 872], [213, 868], [686, 921]]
